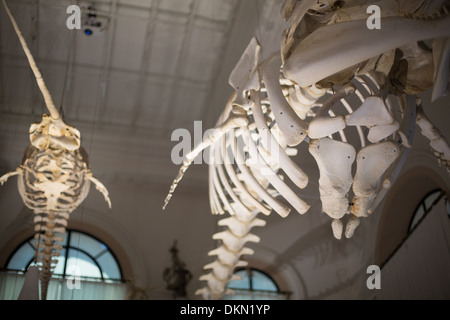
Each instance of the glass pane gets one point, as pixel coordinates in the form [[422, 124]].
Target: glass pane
[[262, 282], [79, 264], [21, 257], [431, 198], [87, 243], [244, 283], [109, 266]]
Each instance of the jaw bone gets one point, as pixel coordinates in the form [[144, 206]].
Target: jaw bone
[[292, 127], [352, 42]]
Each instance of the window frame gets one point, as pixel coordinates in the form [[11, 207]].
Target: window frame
[[67, 247], [251, 290]]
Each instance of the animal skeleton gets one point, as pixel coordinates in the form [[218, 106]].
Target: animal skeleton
[[53, 178], [332, 75]]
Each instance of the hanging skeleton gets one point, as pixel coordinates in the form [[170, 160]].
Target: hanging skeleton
[[53, 178], [332, 75]]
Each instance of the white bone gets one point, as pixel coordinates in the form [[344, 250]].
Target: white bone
[[437, 141], [337, 227], [37, 74], [6, 176], [239, 185], [378, 133], [321, 127], [279, 207], [296, 16], [228, 257], [441, 57], [292, 127], [372, 112], [220, 192], [100, 187], [334, 159], [296, 174], [244, 76], [240, 228], [351, 226], [233, 242], [350, 43], [238, 205], [286, 192], [234, 120], [219, 270], [215, 203], [372, 162]]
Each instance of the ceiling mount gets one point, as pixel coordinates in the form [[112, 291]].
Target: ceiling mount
[[94, 24]]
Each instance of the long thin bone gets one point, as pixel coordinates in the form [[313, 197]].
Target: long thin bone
[[352, 42], [284, 190], [292, 127], [220, 192], [215, 203], [238, 184], [296, 174], [226, 184], [279, 207], [233, 121], [37, 74]]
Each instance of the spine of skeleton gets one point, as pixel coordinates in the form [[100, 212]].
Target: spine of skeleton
[[49, 228], [233, 240]]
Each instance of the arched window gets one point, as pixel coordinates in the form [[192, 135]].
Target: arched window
[[255, 285], [83, 256], [425, 205]]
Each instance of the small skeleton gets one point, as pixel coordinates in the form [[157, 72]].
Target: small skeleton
[[53, 178], [332, 75]]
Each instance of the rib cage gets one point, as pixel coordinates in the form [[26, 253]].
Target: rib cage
[[243, 177], [51, 211]]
